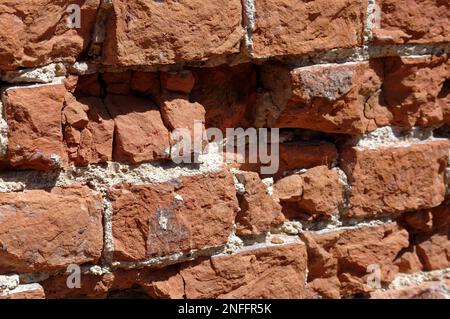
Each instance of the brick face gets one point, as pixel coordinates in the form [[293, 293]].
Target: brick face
[[331, 98], [403, 21], [187, 30], [44, 231], [158, 220], [394, 180], [318, 25], [25, 40], [34, 124], [350, 101], [275, 272]]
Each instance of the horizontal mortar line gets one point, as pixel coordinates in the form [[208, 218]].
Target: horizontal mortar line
[[344, 224], [103, 176], [405, 280], [333, 56]]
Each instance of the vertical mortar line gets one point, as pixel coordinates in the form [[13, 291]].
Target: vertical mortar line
[[3, 126], [371, 19], [108, 240], [249, 14]]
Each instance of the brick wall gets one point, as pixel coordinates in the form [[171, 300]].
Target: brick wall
[[93, 93]]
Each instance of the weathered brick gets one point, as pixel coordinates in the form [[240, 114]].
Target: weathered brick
[[268, 272], [258, 211], [414, 90], [433, 249], [148, 32], [332, 98], [290, 27], [36, 32], [392, 180], [88, 131], [157, 220], [317, 192], [347, 254], [46, 231], [226, 93], [412, 21], [140, 134], [34, 127]]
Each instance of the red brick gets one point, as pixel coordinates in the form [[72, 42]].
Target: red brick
[[183, 30], [46, 231], [332, 98], [346, 255], [413, 90], [268, 272], [226, 93], [151, 220], [434, 249], [392, 180], [258, 211], [140, 134], [36, 32], [290, 27], [34, 123], [412, 21], [317, 192], [90, 138]]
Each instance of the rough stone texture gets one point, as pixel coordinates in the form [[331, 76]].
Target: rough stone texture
[[434, 249], [414, 90], [36, 32], [332, 98], [346, 255], [88, 131], [46, 231], [157, 220], [34, 126], [258, 211], [427, 290], [289, 189], [226, 93], [430, 239], [178, 112], [269, 272], [290, 27], [137, 117], [317, 192], [322, 191], [412, 21], [393, 180], [146, 32]]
